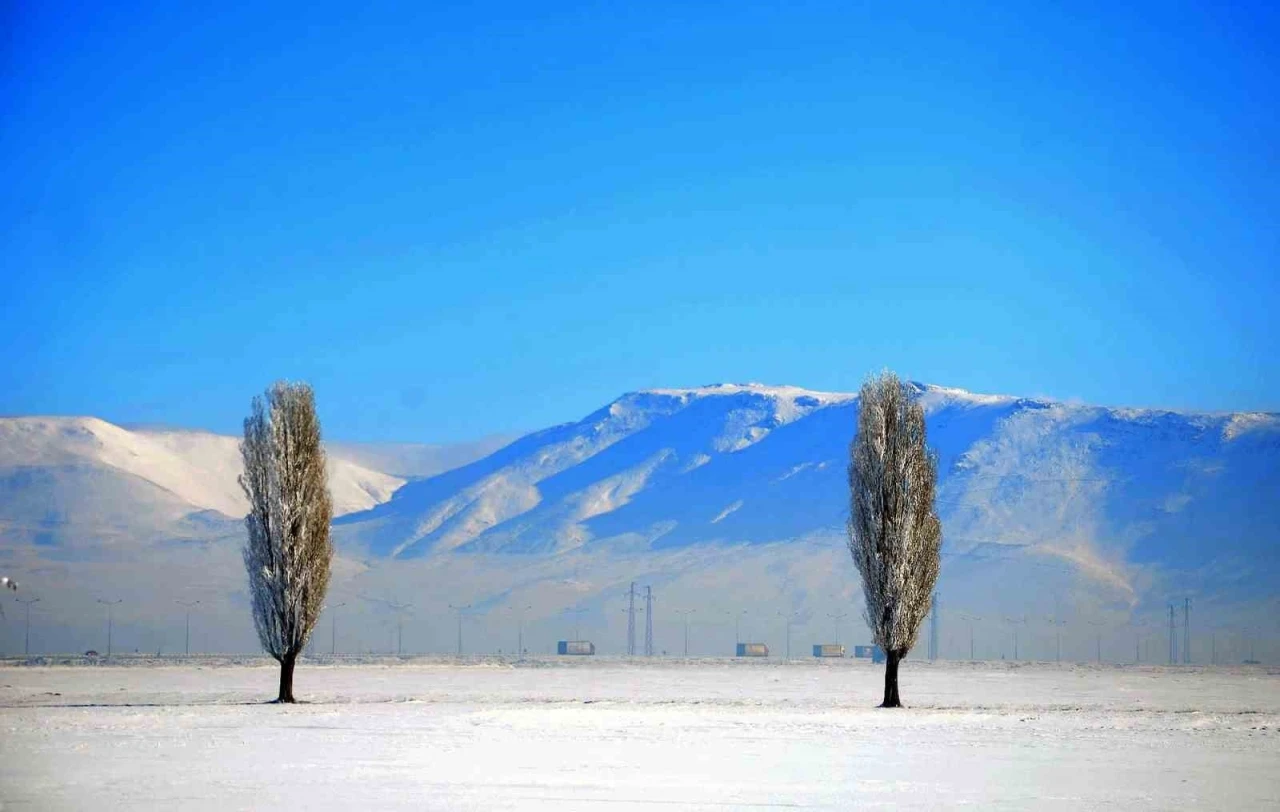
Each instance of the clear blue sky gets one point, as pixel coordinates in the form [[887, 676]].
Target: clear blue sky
[[455, 220]]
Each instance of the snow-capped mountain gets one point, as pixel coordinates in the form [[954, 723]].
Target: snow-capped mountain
[[663, 468], [721, 497]]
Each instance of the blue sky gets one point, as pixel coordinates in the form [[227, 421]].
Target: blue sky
[[456, 220]]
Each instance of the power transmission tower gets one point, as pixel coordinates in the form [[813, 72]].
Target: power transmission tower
[[187, 605], [631, 620], [26, 644], [648, 621]]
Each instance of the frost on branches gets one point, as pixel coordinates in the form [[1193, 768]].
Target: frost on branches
[[894, 533], [288, 552]]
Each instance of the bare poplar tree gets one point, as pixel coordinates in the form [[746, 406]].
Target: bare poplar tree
[[894, 533], [288, 552]]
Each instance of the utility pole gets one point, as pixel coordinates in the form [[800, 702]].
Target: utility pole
[[110, 605], [648, 621], [1213, 656], [685, 614], [26, 645], [333, 628], [459, 610], [631, 620], [1173, 641], [188, 605]]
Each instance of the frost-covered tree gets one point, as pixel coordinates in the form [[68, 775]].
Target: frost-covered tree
[[894, 533], [288, 552]]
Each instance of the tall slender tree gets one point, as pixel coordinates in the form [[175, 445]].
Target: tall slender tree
[[288, 552], [894, 533]]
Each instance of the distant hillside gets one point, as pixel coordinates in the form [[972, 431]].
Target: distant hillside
[[727, 499]]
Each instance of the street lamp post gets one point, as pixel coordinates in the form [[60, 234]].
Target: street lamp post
[[110, 605], [188, 605], [459, 610], [333, 628], [26, 643], [1014, 621], [1098, 624], [685, 614], [790, 618], [1057, 624], [971, 619], [520, 610], [399, 609], [836, 617], [737, 626]]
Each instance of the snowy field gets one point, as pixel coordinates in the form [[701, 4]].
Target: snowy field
[[612, 734]]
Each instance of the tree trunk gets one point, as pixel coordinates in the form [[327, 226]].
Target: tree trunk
[[286, 677], [891, 700]]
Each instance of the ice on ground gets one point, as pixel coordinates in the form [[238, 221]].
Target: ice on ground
[[714, 734]]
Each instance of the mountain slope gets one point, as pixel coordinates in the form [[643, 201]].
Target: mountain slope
[[198, 469], [1099, 491]]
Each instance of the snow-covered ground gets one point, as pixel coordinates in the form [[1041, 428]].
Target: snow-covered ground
[[713, 734]]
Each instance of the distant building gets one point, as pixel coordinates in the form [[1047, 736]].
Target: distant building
[[575, 647], [753, 650], [864, 652], [828, 650]]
